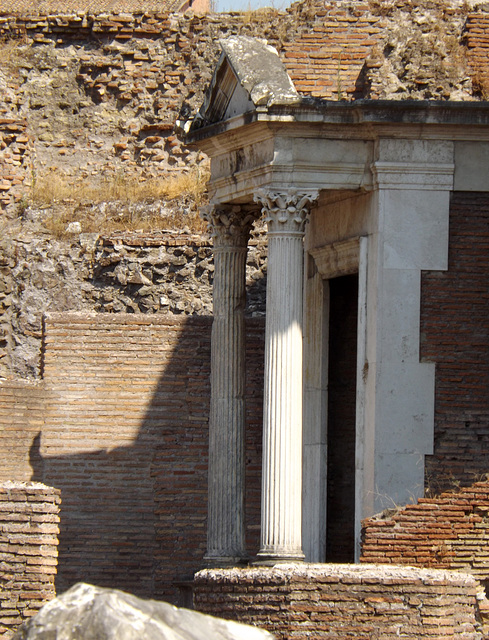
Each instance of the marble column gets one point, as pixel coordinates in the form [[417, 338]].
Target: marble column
[[286, 215], [230, 227]]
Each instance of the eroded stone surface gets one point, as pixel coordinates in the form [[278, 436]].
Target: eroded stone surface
[[86, 612], [260, 70], [157, 272]]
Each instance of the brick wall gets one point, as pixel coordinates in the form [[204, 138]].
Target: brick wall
[[28, 549], [477, 32], [180, 470], [125, 440], [21, 421], [447, 532], [455, 335], [82, 7], [345, 601]]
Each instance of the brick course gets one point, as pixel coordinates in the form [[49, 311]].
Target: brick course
[[477, 40], [328, 60], [28, 550], [124, 438], [342, 601], [81, 7], [21, 421], [455, 335], [447, 532]]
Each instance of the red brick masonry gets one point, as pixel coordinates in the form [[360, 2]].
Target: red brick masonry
[[28, 550], [344, 601], [119, 425], [455, 336], [448, 532]]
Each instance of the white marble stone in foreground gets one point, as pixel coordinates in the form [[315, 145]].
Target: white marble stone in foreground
[[86, 612]]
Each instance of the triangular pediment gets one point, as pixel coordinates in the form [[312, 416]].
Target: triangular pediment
[[249, 74]]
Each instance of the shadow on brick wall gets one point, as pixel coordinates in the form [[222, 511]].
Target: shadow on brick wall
[[125, 440]]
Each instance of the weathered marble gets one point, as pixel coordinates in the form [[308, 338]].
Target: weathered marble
[[230, 228], [86, 612], [281, 534]]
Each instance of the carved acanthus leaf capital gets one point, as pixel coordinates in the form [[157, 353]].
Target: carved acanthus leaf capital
[[287, 210], [229, 225]]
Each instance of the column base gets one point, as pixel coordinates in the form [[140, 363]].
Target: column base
[[221, 562], [269, 558]]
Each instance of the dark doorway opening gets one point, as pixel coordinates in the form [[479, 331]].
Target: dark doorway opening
[[340, 526]]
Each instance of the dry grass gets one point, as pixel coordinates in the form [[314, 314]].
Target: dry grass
[[262, 15], [11, 55], [121, 205], [480, 83], [53, 187], [8, 52], [120, 219]]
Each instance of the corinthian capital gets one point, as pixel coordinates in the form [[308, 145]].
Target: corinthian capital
[[229, 225], [286, 211]]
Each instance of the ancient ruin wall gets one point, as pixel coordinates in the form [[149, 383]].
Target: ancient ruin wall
[[95, 97], [121, 431], [28, 550], [367, 602], [160, 272], [447, 532], [455, 336]]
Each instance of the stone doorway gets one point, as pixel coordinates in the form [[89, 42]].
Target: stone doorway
[[334, 433], [341, 418]]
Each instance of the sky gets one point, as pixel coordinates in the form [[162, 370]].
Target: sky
[[246, 5]]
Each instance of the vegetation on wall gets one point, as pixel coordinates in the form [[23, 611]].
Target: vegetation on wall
[[120, 204]]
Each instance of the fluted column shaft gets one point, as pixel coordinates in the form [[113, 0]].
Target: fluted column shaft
[[225, 528], [281, 535]]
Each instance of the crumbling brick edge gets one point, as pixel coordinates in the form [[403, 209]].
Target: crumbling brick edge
[[369, 601], [29, 529]]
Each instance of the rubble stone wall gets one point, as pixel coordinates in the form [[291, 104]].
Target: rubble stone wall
[[162, 272], [344, 601], [29, 518], [94, 97]]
